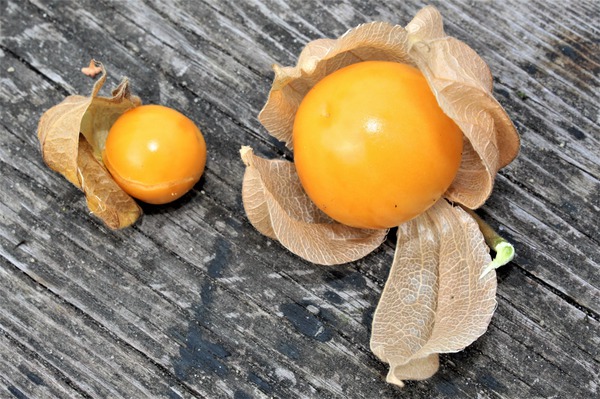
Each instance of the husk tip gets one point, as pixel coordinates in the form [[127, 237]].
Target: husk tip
[[392, 379], [246, 154], [276, 68], [94, 68]]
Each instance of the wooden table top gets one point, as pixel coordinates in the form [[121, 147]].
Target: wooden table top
[[192, 301]]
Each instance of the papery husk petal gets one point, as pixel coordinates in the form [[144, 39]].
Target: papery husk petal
[[72, 131], [416, 369], [58, 133], [104, 197], [434, 300], [103, 112], [451, 59], [462, 83], [278, 207], [426, 25], [468, 187]]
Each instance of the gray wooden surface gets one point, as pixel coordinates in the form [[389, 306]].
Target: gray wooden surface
[[192, 301]]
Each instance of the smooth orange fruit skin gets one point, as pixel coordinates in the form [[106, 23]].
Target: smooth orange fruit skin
[[154, 153], [372, 147]]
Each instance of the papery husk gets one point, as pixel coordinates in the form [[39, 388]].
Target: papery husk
[[278, 207], [434, 300], [72, 136]]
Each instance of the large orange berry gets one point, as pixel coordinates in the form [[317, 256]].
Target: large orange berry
[[372, 146]]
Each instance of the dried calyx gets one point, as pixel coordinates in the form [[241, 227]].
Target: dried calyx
[[436, 298], [72, 136]]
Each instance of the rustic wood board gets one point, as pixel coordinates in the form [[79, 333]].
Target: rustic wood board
[[192, 301]]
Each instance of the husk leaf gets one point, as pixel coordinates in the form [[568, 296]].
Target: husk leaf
[[72, 136], [435, 299], [462, 83], [278, 207], [104, 197]]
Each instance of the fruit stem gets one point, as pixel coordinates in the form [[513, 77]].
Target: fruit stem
[[505, 252]]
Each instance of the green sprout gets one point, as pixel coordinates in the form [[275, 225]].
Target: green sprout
[[505, 252]]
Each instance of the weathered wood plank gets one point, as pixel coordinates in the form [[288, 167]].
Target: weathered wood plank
[[76, 346], [23, 375], [193, 290], [548, 246], [142, 316]]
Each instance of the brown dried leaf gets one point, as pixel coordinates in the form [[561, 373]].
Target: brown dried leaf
[[434, 300], [462, 83], [59, 132], [277, 206]]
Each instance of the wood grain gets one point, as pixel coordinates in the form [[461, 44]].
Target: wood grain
[[192, 301]]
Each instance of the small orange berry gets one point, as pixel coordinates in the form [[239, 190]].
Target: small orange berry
[[154, 153]]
